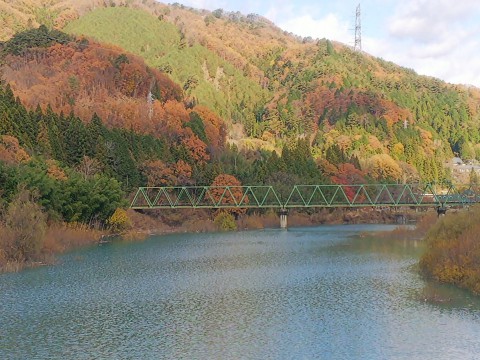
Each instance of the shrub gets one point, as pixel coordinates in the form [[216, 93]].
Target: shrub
[[119, 221], [25, 226], [225, 221], [453, 253]]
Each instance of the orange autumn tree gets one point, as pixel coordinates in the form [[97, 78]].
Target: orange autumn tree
[[159, 173], [10, 150], [215, 129], [183, 173], [382, 167], [54, 171], [175, 116], [196, 148], [232, 195]]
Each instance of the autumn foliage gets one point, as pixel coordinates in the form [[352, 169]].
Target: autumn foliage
[[87, 78], [348, 174], [159, 173], [382, 168], [10, 150], [453, 254], [232, 195]]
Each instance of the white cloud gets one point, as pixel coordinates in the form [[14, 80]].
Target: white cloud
[[459, 67], [430, 20], [436, 38]]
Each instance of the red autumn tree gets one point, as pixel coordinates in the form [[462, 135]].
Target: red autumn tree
[[158, 173], [348, 174], [196, 148], [227, 189]]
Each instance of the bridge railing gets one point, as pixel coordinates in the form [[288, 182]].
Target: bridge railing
[[301, 196]]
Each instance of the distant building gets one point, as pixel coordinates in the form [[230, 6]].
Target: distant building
[[456, 161], [466, 168], [460, 170]]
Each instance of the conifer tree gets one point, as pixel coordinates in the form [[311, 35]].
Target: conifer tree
[[43, 140]]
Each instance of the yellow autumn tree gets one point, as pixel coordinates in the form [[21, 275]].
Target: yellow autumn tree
[[119, 221], [382, 167]]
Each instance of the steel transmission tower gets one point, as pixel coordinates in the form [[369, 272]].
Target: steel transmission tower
[[358, 30]]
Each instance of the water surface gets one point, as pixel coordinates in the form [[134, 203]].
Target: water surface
[[308, 293]]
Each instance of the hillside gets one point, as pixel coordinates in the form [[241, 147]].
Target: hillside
[[320, 89], [86, 78], [53, 75], [272, 87], [20, 15], [203, 75]]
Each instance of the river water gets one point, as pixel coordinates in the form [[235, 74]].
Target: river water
[[329, 292]]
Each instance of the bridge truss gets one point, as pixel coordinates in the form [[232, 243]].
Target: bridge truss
[[303, 196]]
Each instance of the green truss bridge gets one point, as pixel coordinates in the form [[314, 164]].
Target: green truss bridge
[[305, 196]]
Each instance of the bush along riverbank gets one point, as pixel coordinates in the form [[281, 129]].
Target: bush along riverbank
[[28, 238], [453, 250]]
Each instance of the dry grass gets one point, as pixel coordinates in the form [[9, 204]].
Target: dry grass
[[300, 219], [199, 225], [64, 237], [133, 235], [58, 239], [11, 266], [423, 224], [259, 221], [453, 253], [250, 222]]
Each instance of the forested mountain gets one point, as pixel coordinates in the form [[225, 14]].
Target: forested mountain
[[138, 92], [277, 86]]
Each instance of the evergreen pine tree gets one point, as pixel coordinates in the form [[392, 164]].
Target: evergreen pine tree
[[43, 140]]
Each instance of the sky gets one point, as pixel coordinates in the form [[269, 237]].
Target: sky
[[439, 38]]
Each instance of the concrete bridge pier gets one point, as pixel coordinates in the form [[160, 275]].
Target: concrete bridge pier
[[401, 219], [283, 218]]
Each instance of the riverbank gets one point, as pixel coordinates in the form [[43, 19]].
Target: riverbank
[[59, 238], [453, 251], [171, 221]]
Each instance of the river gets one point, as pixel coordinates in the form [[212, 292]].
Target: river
[[328, 292]]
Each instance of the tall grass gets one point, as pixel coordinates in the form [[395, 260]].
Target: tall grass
[[57, 239]]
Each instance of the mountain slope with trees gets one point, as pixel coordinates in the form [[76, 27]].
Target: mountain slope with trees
[[320, 90], [205, 76], [278, 88]]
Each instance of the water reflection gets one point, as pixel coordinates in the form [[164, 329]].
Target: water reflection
[[330, 292]]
